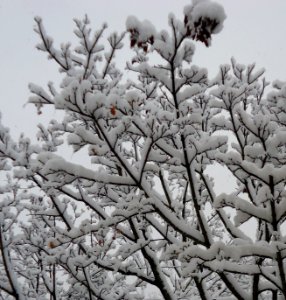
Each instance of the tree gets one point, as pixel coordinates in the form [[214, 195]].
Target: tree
[[142, 211]]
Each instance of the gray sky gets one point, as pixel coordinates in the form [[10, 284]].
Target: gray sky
[[254, 31]]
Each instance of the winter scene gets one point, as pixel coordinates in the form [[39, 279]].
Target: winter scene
[[143, 150]]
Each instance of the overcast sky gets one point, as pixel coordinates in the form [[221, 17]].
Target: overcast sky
[[254, 31]]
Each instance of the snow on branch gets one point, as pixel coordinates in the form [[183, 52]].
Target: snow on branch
[[140, 203]]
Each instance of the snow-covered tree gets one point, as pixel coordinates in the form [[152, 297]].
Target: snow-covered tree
[[136, 208]]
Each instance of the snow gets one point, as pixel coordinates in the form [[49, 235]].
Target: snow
[[145, 28], [207, 9], [143, 206], [54, 165]]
